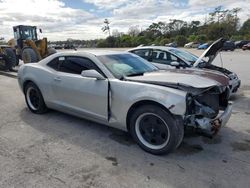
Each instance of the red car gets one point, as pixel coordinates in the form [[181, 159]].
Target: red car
[[246, 47]]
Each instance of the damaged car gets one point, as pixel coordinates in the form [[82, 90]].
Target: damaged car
[[169, 58], [123, 90]]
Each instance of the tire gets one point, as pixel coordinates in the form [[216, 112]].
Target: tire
[[10, 62], [17, 61], [29, 55], [51, 51], [34, 99], [180, 135], [155, 130]]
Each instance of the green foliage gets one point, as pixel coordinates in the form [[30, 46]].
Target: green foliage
[[247, 37], [236, 37], [191, 38], [201, 38], [164, 41], [245, 29], [181, 40]]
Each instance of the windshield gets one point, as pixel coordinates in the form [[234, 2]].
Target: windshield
[[121, 65], [184, 55]]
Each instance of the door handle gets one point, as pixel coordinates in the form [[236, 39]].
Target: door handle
[[57, 79]]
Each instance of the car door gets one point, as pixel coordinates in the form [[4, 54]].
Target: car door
[[81, 95]]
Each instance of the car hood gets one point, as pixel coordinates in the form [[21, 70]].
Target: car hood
[[211, 52], [186, 79]]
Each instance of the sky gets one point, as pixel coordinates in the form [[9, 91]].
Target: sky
[[83, 19]]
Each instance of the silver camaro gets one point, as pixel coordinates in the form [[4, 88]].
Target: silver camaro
[[123, 90]]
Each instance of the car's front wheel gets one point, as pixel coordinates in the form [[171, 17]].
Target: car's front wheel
[[34, 99], [154, 129]]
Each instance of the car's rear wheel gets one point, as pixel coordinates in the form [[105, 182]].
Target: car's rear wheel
[[34, 99], [154, 129]]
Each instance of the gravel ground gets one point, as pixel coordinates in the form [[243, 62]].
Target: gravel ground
[[58, 150]]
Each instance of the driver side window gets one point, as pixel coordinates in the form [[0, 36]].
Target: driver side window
[[144, 53], [73, 64], [163, 57]]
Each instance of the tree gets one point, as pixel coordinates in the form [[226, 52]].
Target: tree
[[180, 40], [134, 30], [218, 14], [106, 27], [245, 29], [116, 33], [201, 38], [164, 41]]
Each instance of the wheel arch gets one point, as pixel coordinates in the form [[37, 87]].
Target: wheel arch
[[143, 103], [26, 82]]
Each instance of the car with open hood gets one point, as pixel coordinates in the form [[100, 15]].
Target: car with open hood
[[123, 90], [171, 58]]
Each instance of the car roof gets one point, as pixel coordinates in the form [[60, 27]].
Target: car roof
[[94, 52], [154, 47]]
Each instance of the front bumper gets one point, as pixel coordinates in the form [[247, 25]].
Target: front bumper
[[208, 127]]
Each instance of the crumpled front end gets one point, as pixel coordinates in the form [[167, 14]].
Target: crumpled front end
[[208, 111]]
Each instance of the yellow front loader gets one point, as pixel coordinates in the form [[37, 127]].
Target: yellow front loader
[[28, 47]]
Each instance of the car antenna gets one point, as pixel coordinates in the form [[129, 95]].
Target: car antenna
[[221, 61]]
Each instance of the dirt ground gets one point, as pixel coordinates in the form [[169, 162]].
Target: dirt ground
[[58, 150]]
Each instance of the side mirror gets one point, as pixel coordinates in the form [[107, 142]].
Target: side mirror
[[40, 30], [175, 63], [92, 74]]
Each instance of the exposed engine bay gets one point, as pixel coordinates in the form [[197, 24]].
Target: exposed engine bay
[[203, 109]]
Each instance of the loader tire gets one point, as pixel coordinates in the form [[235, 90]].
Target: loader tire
[[29, 55], [51, 51], [10, 61]]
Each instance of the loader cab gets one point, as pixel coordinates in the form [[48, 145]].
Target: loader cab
[[22, 32]]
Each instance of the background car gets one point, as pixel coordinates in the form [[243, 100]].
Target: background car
[[240, 43], [172, 44], [171, 58], [195, 45], [228, 45], [188, 45], [192, 45], [124, 91], [246, 47], [203, 46]]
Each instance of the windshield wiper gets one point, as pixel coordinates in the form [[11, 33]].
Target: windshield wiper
[[136, 74]]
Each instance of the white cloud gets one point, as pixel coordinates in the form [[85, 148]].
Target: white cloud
[[52, 16], [60, 22], [107, 4]]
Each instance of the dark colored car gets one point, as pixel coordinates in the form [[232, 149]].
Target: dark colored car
[[69, 46], [246, 46], [228, 45], [58, 47], [241, 43]]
